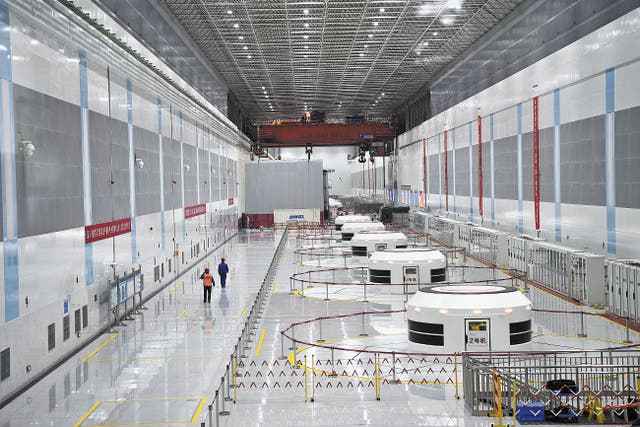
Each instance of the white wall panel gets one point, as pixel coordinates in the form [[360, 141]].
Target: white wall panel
[[98, 91], [627, 86], [545, 111], [628, 232], [583, 100]]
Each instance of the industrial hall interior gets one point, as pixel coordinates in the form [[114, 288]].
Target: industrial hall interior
[[313, 213]]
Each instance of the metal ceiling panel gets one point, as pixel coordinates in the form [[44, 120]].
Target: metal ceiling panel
[[342, 57]]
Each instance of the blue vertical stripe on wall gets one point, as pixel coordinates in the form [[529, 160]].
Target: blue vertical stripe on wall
[[493, 200], [132, 177], [610, 153], [161, 158], [453, 170], [86, 163], [8, 165], [556, 165], [440, 171], [184, 229], [471, 171], [520, 219]]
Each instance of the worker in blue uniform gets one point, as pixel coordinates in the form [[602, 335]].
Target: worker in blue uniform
[[223, 269]]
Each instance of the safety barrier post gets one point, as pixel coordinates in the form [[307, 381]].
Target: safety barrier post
[[223, 411], [290, 285], [320, 327], [282, 356], [333, 365], [393, 366], [363, 333], [302, 282], [626, 325], [235, 379], [582, 332], [293, 337], [217, 409], [313, 378], [211, 415], [306, 393], [326, 288], [455, 372], [230, 385], [377, 375]]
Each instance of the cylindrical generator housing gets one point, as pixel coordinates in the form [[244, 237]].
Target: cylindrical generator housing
[[475, 318], [410, 267], [367, 242], [352, 228], [344, 219]]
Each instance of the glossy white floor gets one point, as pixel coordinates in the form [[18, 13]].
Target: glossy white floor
[[162, 368]]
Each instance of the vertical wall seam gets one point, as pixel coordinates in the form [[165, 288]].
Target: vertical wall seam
[[453, 167], [439, 173], [184, 225]]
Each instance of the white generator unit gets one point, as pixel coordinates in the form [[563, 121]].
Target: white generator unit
[[484, 243], [443, 229], [350, 229], [344, 219], [623, 288], [572, 272], [474, 318], [368, 242], [410, 267]]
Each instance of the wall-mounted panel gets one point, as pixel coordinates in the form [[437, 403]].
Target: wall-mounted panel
[[190, 175], [627, 132], [462, 172], [506, 168], [582, 154], [148, 177], [171, 163], [546, 164], [49, 183]]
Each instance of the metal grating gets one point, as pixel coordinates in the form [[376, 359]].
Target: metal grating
[[343, 57]]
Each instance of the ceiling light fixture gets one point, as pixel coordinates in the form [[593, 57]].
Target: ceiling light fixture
[[435, 33], [375, 24], [306, 11], [361, 54], [306, 56], [263, 88], [370, 35], [229, 12], [306, 25], [306, 47], [305, 37], [382, 94], [236, 26], [244, 48], [382, 10], [248, 56], [241, 37]]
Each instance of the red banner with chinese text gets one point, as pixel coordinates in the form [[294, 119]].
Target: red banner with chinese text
[[106, 230], [195, 210]]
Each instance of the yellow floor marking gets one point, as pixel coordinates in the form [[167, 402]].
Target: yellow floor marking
[[275, 287], [260, 343], [197, 413], [244, 311], [87, 414], [182, 313], [174, 288], [101, 346]]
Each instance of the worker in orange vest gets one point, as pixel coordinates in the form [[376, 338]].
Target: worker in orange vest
[[207, 284]]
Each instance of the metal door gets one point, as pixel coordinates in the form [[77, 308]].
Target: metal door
[[477, 335]]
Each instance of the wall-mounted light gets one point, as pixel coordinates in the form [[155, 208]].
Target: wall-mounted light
[[187, 167], [308, 150], [26, 146], [140, 163]]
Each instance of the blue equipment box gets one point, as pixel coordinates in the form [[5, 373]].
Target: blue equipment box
[[532, 411]]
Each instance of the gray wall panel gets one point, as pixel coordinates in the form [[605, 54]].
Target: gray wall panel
[[190, 176], [462, 171], [120, 154], [486, 175], [474, 173], [282, 185], [171, 165], [224, 177], [546, 165], [527, 166], [433, 173], [627, 130], [148, 178], [99, 143], [506, 168], [204, 175], [215, 177], [582, 154], [450, 173], [49, 184]]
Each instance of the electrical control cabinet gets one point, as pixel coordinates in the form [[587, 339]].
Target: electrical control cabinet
[[485, 243], [443, 229], [623, 288]]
